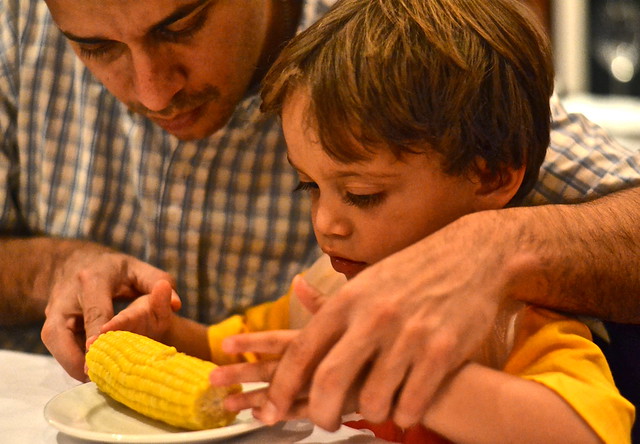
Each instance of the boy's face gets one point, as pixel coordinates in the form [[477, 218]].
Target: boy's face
[[365, 211], [185, 64]]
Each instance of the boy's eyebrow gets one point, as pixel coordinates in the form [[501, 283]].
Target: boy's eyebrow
[[343, 174], [176, 15], [376, 174]]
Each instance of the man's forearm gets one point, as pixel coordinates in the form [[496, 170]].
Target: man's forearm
[[26, 267], [582, 258]]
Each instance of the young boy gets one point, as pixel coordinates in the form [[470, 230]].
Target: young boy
[[400, 117]]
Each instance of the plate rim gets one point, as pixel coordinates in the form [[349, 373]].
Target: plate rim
[[185, 436]]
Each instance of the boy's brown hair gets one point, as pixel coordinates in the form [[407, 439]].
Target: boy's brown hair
[[466, 78]]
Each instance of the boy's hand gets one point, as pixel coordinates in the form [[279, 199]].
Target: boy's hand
[[267, 343], [149, 315], [310, 297], [272, 342]]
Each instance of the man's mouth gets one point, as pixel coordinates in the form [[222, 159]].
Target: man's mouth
[[179, 122], [346, 266]]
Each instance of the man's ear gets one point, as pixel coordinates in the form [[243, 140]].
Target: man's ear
[[495, 190]]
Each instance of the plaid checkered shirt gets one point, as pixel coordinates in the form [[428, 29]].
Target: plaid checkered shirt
[[218, 214]]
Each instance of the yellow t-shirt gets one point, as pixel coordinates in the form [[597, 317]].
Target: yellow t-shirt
[[539, 345], [559, 353]]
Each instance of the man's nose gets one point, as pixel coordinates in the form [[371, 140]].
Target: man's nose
[[156, 78]]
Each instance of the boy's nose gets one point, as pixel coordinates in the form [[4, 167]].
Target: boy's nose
[[330, 222]]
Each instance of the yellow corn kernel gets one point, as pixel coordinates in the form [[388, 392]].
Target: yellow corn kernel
[[158, 381]]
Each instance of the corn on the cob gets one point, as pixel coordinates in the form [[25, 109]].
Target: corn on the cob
[[158, 381]]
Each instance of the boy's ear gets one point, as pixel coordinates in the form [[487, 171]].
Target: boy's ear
[[494, 191]]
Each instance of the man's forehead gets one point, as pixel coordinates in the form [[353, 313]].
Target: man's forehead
[[94, 18]]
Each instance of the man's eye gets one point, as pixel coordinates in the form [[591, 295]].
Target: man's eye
[[364, 200], [306, 186], [95, 51], [185, 28]]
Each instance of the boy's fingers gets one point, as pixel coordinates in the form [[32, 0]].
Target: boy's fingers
[[273, 342], [261, 371], [176, 302], [309, 296], [161, 298]]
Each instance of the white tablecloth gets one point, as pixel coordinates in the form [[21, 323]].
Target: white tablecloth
[[28, 382]]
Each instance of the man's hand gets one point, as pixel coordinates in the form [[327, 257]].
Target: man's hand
[[82, 289], [398, 328], [410, 320]]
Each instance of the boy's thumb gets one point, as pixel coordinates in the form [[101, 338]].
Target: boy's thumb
[[309, 296]]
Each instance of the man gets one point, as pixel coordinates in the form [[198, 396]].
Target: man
[[145, 157], [171, 165]]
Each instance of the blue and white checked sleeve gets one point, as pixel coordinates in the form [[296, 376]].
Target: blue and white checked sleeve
[[583, 162]]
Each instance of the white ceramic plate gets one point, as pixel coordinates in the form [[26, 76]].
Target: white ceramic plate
[[84, 412]]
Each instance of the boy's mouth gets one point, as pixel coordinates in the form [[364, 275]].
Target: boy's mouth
[[347, 267]]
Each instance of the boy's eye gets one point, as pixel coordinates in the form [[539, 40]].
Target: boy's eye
[[357, 200], [364, 200]]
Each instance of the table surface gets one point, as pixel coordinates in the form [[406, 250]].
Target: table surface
[[29, 381]]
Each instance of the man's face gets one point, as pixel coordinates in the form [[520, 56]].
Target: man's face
[[185, 64]]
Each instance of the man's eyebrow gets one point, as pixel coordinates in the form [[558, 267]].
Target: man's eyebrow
[[180, 13], [84, 40], [176, 15]]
